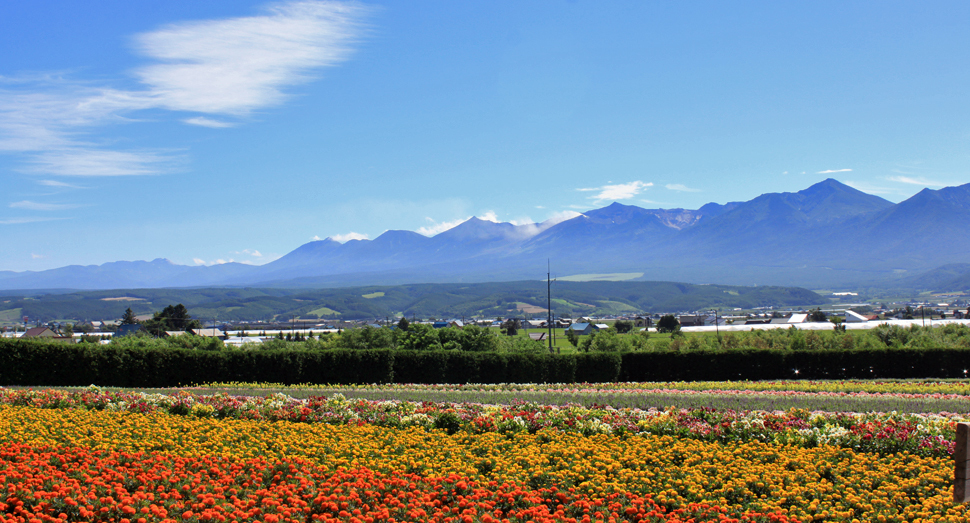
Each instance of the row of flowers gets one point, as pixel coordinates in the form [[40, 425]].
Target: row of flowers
[[921, 434], [910, 389], [126, 488], [105, 465]]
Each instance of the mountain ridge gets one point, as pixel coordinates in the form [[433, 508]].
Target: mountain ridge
[[828, 234]]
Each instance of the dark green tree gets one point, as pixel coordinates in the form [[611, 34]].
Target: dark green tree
[[817, 316], [171, 318], [511, 327], [403, 324], [129, 317], [419, 337], [668, 323], [623, 326], [572, 337]]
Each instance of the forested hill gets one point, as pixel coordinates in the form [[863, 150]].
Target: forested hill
[[504, 299]]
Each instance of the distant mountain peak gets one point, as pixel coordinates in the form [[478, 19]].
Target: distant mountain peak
[[772, 237], [476, 228]]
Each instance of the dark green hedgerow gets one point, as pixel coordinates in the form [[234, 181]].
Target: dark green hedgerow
[[28, 362]]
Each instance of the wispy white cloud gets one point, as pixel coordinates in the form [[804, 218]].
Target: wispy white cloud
[[17, 221], [35, 206], [35, 256], [342, 238], [561, 216], [915, 181], [99, 162], [489, 216], [439, 227], [531, 229], [64, 185], [249, 252], [680, 187], [214, 67], [525, 227], [208, 122], [620, 191], [218, 261], [830, 171], [236, 65]]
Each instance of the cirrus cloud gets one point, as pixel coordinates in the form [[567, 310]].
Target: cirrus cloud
[[36, 206], [680, 188], [915, 181], [619, 191], [227, 66]]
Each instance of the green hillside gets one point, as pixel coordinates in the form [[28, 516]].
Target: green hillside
[[501, 299]]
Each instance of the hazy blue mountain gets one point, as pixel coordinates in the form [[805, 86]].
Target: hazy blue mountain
[[127, 274], [779, 237], [953, 277], [829, 234], [927, 230]]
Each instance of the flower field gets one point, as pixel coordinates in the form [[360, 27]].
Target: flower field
[[128, 457], [832, 396], [921, 434], [939, 387]]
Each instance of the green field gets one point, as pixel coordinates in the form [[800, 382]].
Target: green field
[[616, 276], [324, 311], [11, 315]]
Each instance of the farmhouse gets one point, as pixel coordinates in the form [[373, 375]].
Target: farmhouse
[[581, 328], [39, 332]]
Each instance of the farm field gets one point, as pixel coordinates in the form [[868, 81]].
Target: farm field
[[249, 452]]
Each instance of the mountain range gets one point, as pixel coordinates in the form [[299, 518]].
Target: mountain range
[[828, 235]]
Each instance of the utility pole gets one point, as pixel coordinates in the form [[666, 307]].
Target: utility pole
[[549, 303]]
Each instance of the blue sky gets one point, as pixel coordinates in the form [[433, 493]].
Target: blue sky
[[212, 131]]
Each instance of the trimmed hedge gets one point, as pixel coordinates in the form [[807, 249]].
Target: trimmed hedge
[[30, 362], [39, 363], [766, 364]]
